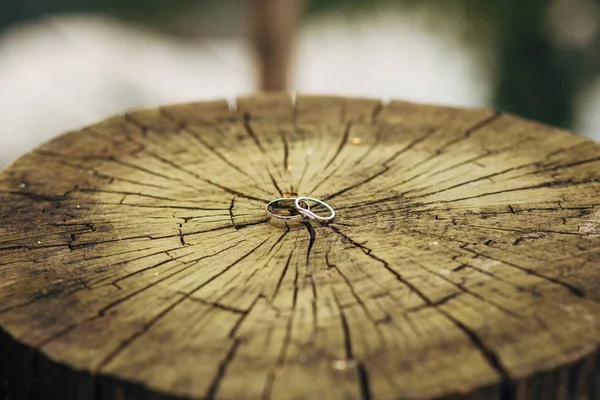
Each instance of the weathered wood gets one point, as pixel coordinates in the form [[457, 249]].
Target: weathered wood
[[137, 260]]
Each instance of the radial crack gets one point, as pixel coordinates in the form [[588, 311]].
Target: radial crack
[[341, 146], [222, 370], [252, 134], [312, 234], [489, 354], [146, 327]]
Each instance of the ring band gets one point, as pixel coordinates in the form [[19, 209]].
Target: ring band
[[286, 216], [307, 212]]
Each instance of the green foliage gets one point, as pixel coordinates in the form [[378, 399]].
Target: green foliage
[[317, 6], [536, 78]]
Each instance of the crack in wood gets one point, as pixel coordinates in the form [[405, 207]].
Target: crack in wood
[[60, 158], [275, 185], [245, 314], [435, 304], [365, 385], [466, 246], [146, 327], [215, 305], [550, 184], [571, 288], [439, 151], [372, 147], [222, 370], [344, 141], [559, 167], [202, 142], [231, 205], [283, 273], [185, 171], [489, 354], [486, 351], [150, 196], [376, 113], [363, 380], [470, 292], [250, 131], [286, 151], [312, 237], [385, 166], [279, 240], [148, 214]]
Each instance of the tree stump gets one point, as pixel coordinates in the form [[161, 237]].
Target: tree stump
[[137, 260]]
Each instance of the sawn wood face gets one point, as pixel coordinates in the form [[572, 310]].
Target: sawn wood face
[[136, 259]]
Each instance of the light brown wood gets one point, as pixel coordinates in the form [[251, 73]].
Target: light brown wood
[[137, 260]]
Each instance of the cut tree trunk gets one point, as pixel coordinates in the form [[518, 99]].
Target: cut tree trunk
[[137, 260]]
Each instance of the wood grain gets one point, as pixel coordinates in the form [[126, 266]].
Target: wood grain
[[137, 261]]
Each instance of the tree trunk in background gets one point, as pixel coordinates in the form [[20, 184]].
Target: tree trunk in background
[[272, 24]]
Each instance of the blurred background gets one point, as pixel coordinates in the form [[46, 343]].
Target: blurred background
[[68, 63]]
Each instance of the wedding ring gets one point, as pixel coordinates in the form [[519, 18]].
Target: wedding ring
[[293, 206], [307, 212]]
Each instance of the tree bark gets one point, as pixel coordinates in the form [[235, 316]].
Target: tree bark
[[271, 26], [137, 261]]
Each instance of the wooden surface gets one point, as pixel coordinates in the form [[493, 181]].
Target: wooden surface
[[137, 260]]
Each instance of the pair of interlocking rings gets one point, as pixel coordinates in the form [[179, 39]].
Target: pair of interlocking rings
[[302, 206]]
